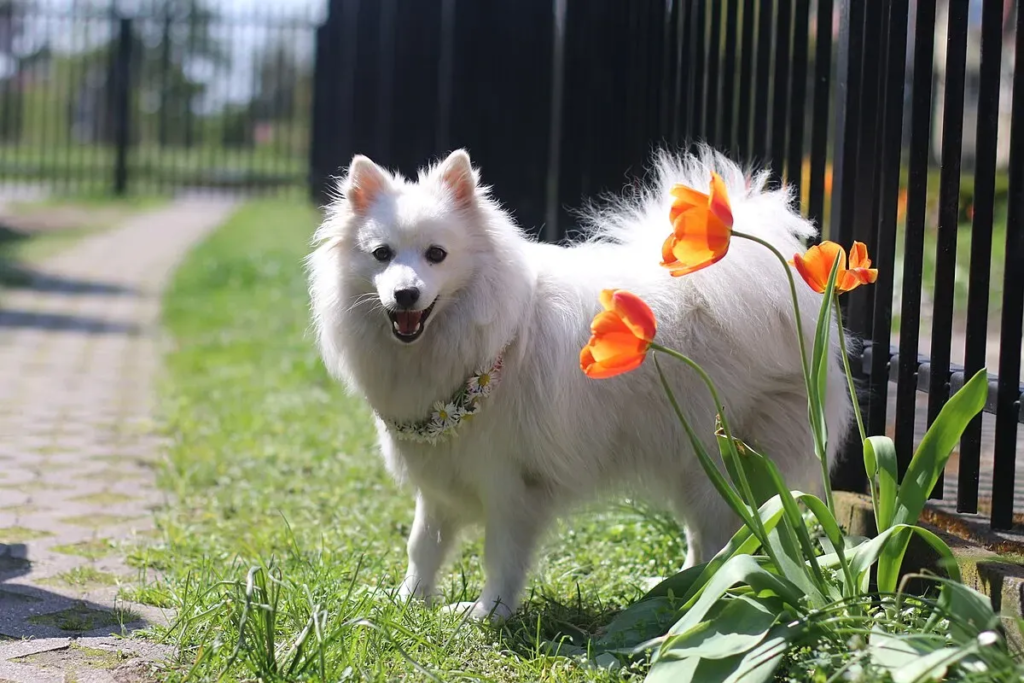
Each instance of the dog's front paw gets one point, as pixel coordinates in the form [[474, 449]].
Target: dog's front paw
[[494, 613], [414, 588]]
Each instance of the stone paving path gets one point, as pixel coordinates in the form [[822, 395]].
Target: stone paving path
[[78, 356]]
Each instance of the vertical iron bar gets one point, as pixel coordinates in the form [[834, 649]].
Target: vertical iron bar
[[848, 101], [981, 240], [727, 132], [193, 170], [798, 98], [666, 83], [913, 250], [949, 200], [71, 31], [1009, 397], [894, 75], [552, 232], [817, 185], [780, 89], [122, 102], [9, 132], [250, 161], [698, 33], [848, 474], [681, 86], [763, 79], [714, 84], [45, 108], [746, 85], [864, 197], [445, 75]]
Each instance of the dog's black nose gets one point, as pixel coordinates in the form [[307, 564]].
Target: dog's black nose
[[407, 296]]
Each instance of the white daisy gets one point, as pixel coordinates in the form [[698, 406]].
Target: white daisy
[[447, 413], [482, 383]]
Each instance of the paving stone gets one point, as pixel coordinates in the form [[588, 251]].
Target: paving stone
[[79, 449]]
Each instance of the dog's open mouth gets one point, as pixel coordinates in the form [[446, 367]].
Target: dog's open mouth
[[407, 326]]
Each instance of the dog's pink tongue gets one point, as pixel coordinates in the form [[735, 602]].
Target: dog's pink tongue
[[408, 321]]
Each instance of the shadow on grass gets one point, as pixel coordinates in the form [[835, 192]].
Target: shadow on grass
[[543, 620]]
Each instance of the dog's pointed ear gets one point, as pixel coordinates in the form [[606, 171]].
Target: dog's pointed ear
[[456, 174], [365, 182]]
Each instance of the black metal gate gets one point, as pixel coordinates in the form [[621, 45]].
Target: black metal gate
[[154, 95]]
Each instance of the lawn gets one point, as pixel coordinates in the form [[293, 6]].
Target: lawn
[[287, 528]]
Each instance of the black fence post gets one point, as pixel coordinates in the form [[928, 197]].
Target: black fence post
[[820, 115], [893, 78], [121, 88], [1008, 409], [331, 139], [320, 112], [943, 290], [848, 472]]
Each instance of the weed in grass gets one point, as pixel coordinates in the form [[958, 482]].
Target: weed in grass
[[113, 475], [34, 485], [96, 520], [84, 578], [20, 534], [92, 549], [23, 509], [103, 498]]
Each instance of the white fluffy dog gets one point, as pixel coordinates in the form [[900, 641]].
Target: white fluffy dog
[[431, 303]]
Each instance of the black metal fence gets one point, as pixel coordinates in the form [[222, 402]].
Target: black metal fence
[[155, 95], [880, 113]]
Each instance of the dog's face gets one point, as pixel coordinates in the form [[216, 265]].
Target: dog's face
[[412, 245]]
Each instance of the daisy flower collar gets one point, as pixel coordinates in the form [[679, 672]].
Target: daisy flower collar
[[446, 416]]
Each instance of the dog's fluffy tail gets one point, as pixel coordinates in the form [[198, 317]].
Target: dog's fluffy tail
[[642, 219], [641, 223]]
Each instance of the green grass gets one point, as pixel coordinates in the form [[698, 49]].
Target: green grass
[[275, 477], [85, 578], [92, 549]]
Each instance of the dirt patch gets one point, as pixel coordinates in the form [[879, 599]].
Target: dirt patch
[[74, 657], [135, 671]]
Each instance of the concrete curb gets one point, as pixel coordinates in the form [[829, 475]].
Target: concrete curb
[[998, 577]]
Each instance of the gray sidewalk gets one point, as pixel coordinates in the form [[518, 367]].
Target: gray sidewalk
[[79, 350]]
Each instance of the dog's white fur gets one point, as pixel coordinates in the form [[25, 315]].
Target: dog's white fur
[[549, 437]]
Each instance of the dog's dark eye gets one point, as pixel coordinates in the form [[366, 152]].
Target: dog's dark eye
[[382, 253], [436, 254]]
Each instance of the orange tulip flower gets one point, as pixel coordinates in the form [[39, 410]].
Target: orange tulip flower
[[620, 335], [701, 228], [814, 266]]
